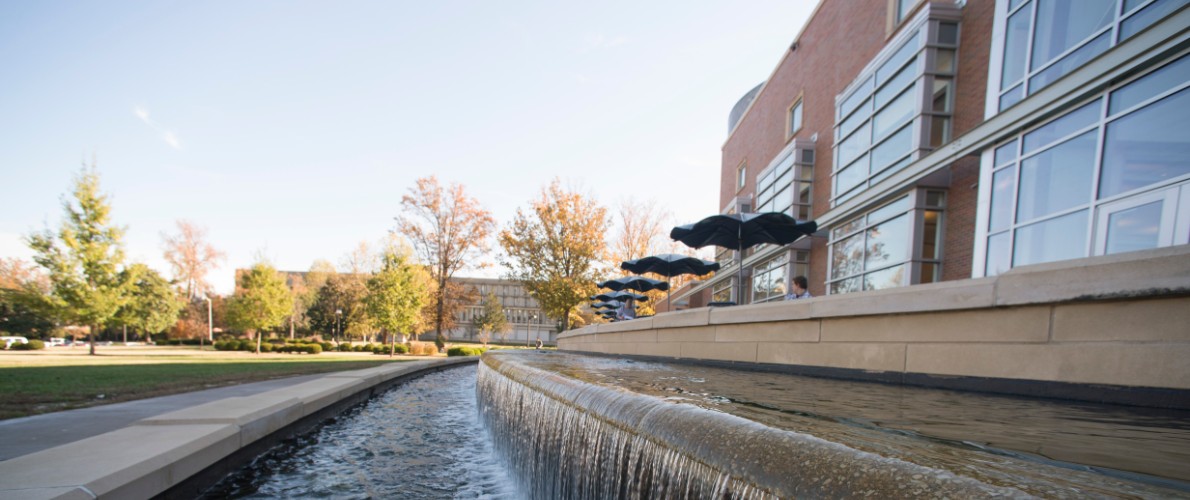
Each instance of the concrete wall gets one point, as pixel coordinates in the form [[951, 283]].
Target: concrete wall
[[1121, 320]]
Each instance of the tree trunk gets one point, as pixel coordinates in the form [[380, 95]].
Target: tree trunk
[[126, 334], [291, 328], [258, 335], [93, 335]]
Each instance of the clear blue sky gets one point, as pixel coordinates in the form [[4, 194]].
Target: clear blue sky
[[294, 127]]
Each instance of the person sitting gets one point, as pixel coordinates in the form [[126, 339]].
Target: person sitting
[[799, 289], [626, 311]]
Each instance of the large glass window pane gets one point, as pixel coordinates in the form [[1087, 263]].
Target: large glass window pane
[[1148, 146], [1062, 127], [893, 115], [854, 121], [1001, 212], [1062, 24], [1005, 153], [892, 149], [1057, 179], [887, 243], [1012, 97], [939, 130], [1016, 41], [1168, 77], [999, 257], [888, 211], [894, 86], [1060, 238], [1134, 229], [783, 200], [856, 98], [948, 33], [1153, 13], [851, 176], [847, 256], [846, 286], [847, 228], [854, 146], [894, 63], [944, 61], [1070, 63], [887, 278]]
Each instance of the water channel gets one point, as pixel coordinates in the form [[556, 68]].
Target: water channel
[[563, 424]]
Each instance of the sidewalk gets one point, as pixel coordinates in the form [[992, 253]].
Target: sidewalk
[[26, 435]]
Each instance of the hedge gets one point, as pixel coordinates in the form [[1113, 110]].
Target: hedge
[[31, 345], [465, 351]]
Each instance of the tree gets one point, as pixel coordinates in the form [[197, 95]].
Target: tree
[[84, 257], [491, 319], [152, 306], [450, 231], [338, 307], [191, 258], [396, 295], [641, 232], [261, 301], [553, 249]]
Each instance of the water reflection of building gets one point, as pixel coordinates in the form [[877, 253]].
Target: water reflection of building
[[944, 140]]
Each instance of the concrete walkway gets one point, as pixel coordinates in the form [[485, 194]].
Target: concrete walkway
[[26, 435], [175, 445]]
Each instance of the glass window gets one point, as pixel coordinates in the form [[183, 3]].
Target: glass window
[[1145, 18], [892, 116], [1134, 229], [1005, 153], [888, 211], [1000, 214], [948, 33], [1015, 43], [1146, 147], [999, 254], [1171, 75], [856, 98], [854, 146], [1057, 179], [931, 247], [741, 176], [894, 86], [944, 61], [1070, 62], [1076, 120], [1056, 239], [795, 118], [853, 122], [941, 97], [892, 149], [887, 243], [1067, 22], [898, 59], [847, 256], [887, 278]]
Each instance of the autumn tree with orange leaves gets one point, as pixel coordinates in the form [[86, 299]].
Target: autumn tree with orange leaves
[[450, 231], [555, 248], [191, 257]]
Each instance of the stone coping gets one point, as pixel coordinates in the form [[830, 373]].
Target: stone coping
[[153, 455], [1150, 273]]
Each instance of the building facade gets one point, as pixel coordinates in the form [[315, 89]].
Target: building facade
[[950, 139], [526, 321]]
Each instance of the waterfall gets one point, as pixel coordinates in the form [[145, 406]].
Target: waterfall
[[564, 438]]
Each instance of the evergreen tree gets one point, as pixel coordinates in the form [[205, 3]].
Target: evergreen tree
[[84, 257]]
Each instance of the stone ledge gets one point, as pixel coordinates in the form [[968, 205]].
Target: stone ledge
[[1163, 271], [158, 453]]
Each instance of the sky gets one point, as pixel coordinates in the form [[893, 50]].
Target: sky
[[290, 130]]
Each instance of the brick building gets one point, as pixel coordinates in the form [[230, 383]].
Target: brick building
[[950, 139]]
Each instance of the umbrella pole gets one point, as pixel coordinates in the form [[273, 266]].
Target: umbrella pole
[[739, 291]]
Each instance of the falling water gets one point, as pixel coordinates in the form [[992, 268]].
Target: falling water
[[572, 426]]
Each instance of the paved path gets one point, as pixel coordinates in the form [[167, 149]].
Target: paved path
[[22, 436]]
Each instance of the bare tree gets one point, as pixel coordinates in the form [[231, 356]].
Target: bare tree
[[191, 257], [450, 231], [643, 227]]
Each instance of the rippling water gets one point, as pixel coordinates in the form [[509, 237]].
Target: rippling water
[[422, 439]]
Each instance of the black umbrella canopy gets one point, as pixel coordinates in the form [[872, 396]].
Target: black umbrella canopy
[[638, 283], [740, 231], [670, 265], [601, 305], [619, 296]]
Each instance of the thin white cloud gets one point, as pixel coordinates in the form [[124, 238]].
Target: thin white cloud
[[168, 136], [601, 41]]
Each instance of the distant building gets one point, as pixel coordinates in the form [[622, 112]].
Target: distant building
[[953, 139]]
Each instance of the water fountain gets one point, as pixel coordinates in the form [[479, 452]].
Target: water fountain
[[575, 426]]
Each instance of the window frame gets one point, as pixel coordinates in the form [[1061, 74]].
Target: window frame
[[790, 129]]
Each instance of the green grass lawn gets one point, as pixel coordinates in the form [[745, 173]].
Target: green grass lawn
[[32, 384]]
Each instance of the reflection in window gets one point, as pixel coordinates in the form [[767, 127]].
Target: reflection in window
[[1056, 239], [1134, 229], [1067, 22], [1057, 179], [875, 250], [1147, 147]]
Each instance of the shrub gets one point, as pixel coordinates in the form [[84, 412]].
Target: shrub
[[344, 347], [327, 346], [31, 345], [246, 345], [465, 351], [313, 348], [423, 349]]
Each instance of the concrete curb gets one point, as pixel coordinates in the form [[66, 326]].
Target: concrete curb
[[160, 454]]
